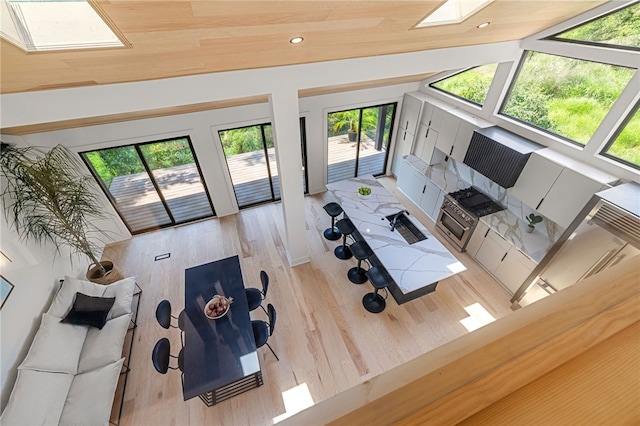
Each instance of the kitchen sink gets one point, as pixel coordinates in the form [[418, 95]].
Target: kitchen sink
[[407, 229]]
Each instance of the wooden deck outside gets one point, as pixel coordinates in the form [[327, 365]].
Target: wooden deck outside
[[181, 186]]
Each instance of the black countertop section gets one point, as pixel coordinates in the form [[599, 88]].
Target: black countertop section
[[221, 351]]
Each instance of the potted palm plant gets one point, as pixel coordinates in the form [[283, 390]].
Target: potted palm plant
[[352, 133], [48, 198]]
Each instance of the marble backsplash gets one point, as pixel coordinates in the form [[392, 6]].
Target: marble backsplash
[[514, 206]]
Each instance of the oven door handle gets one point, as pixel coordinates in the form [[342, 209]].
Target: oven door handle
[[466, 228]]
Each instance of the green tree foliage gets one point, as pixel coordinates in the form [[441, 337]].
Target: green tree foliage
[[472, 85], [244, 139], [620, 28], [122, 161], [569, 97]]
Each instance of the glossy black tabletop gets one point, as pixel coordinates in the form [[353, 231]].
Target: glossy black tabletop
[[221, 351]]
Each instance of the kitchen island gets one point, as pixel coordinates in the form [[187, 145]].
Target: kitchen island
[[414, 268]]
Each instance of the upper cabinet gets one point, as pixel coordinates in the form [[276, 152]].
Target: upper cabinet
[[411, 111], [558, 187]]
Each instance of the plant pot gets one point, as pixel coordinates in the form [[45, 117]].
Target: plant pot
[[111, 275], [352, 136], [529, 229]]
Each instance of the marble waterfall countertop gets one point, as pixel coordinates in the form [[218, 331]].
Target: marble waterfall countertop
[[412, 266], [506, 223]]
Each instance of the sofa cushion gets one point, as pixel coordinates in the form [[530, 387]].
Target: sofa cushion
[[123, 292], [90, 396], [90, 310], [56, 346], [38, 398], [102, 347], [63, 300]]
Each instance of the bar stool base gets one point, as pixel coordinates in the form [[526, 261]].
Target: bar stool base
[[357, 275], [332, 234], [343, 252], [373, 303]]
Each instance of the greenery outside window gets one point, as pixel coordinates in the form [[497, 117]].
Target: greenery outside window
[[625, 145], [620, 29], [564, 96], [471, 85]]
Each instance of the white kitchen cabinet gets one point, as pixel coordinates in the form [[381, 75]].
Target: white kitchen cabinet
[[429, 200], [557, 191], [568, 195], [462, 140], [424, 145], [514, 268], [446, 124], [535, 180], [492, 251], [502, 259], [411, 182], [477, 237], [411, 112]]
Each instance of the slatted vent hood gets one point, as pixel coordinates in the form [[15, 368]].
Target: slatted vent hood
[[499, 154]]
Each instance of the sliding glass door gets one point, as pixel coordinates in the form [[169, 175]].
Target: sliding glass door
[[152, 185], [251, 159], [359, 141]]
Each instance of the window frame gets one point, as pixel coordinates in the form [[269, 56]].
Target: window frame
[[531, 126], [469, 101], [619, 129]]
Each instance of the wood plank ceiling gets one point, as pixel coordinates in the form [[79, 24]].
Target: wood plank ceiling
[[179, 38]]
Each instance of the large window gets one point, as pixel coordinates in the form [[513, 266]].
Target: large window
[[564, 96], [251, 158], [152, 185], [471, 85], [617, 29], [625, 146], [359, 141]]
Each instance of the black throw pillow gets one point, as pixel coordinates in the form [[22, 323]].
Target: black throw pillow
[[90, 310]]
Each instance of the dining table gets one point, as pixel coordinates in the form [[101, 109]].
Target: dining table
[[220, 357]]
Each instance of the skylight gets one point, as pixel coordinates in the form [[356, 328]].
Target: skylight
[[453, 12], [44, 25]]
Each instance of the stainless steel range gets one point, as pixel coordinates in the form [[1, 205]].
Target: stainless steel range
[[460, 212]]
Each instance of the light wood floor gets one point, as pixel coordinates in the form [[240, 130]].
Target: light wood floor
[[325, 339]]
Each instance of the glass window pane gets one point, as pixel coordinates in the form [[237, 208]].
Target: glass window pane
[[565, 96], [626, 146], [619, 29], [342, 144], [472, 85], [244, 149], [130, 187], [178, 179]]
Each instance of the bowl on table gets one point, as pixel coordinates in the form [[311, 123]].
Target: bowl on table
[[217, 307]]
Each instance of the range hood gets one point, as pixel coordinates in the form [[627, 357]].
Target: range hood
[[499, 154]]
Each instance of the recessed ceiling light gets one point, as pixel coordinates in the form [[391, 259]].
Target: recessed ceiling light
[[484, 24], [296, 40]]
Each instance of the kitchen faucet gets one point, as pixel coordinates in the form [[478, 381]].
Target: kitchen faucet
[[395, 218]]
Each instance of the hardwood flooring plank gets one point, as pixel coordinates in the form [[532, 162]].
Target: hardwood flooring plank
[[324, 337]]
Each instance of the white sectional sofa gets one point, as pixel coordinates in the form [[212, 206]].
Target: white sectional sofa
[[70, 375]]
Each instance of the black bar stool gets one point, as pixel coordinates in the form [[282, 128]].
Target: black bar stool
[[333, 210], [345, 226], [361, 251], [373, 302]]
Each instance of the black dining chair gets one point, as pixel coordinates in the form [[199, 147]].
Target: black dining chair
[[161, 357], [255, 297], [163, 315], [262, 330]]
